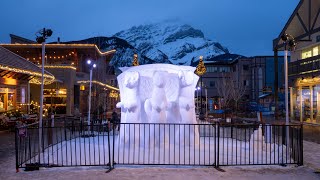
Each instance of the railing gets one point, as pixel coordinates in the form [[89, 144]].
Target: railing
[[206, 144], [304, 66]]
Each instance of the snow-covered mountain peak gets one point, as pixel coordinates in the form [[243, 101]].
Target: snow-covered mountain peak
[[171, 41]]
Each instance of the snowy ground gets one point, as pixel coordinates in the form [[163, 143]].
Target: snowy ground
[[176, 150]]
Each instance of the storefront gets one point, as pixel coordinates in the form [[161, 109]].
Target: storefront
[[305, 98], [303, 30], [16, 74]]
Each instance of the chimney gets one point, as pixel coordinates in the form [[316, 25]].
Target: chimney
[[58, 40]]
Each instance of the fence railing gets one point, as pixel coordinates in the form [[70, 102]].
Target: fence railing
[[206, 144]]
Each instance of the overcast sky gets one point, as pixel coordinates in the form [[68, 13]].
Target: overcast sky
[[246, 27]]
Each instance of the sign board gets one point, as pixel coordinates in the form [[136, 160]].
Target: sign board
[[210, 104]]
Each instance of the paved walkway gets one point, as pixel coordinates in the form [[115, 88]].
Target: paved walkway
[[311, 155]]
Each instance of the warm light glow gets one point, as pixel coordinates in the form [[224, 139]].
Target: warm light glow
[[62, 91], [201, 69], [99, 83], [9, 81], [60, 67], [82, 88], [25, 72], [135, 60], [113, 94], [62, 46]]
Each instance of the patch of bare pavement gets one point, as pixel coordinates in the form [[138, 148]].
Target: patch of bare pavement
[[139, 173]]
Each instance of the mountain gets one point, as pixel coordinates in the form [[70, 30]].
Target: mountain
[[165, 42], [124, 51], [171, 42]]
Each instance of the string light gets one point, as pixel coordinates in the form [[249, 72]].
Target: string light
[[60, 67], [63, 46], [135, 60], [99, 83], [33, 73], [38, 81], [113, 94], [201, 69]]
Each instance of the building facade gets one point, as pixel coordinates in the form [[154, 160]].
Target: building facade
[[304, 69], [16, 76], [68, 94]]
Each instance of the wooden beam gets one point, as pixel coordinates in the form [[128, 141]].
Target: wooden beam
[[315, 20], [302, 23]]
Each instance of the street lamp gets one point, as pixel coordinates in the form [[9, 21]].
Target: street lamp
[[42, 35], [91, 66], [288, 41]]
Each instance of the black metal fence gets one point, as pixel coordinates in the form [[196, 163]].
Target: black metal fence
[[205, 144]]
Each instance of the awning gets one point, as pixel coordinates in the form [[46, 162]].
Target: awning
[[264, 96], [16, 67]]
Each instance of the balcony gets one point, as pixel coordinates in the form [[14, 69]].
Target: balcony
[[307, 67]]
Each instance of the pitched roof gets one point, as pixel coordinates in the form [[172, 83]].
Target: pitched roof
[[10, 60], [303, 22]]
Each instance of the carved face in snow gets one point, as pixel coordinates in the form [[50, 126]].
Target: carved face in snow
[[131, 79], [159, 78], [186, 78]]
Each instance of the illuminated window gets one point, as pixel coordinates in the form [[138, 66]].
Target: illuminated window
[[82, 88], [306, 54], [315, 51]]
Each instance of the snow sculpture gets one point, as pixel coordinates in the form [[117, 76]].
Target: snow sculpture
[[186, 105], [157, 93], [156, 107], [130, 109]]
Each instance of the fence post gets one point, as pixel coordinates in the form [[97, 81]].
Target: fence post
[[109, 149], [65, 130], [16, 149], [301, 145], [217, 144]]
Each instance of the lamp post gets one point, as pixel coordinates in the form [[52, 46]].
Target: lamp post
[[201, 70], [197, 89], [289, 41], [91, 66], [42, 35]]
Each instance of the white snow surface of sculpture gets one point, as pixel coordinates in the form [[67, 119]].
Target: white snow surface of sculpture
[[157, 93]]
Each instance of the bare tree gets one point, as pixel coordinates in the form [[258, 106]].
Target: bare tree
[[237, 88], [224, 90]]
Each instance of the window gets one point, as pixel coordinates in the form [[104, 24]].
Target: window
[[315, 51], [212, 69], [245, 67], [306, 54], [224, 69], [212, 83], [246, 82]]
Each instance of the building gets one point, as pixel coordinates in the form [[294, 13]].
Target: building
[[246, 80], [221, 71], [264, 84], [304, 68], [16, 76], [68, 63]]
